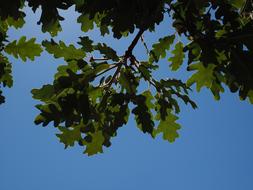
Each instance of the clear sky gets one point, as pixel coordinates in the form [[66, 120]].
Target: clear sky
[[214, 151]]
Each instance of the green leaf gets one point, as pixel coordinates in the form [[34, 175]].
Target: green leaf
[[146, 73], [62, 69], [104, 29], [86, 23], [199, 3], [160, 48], [24, 49], [96, 144], [143, 115], [168, 127], [2, 98], [162, 106], [128, 81], [149, 99], [250, 96], [214, 30], [107, 51], [78, 2], [43, 94], [216, 86], [203, 77], [69, 135], [178, 58], [61, 50], [100, 67], [124, 81], [18, 23], [95, 93], [53, 27], [237, 3], [5, 71], [86, 44]]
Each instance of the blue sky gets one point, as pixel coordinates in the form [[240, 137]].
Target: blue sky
[[214, 150]]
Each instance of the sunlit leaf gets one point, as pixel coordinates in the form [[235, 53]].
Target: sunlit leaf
[[203, 76], [178, 57], [250, 95], [96, 144], [24, 49], [69, 136], [61, 50], [160, 48], [168, 127]]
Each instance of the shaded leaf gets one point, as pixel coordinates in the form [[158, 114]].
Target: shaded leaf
[[128, 81], [107, 51], [2, 98], [5, 72], [86, 44], [143, 116], [53, 27], [237, 3]]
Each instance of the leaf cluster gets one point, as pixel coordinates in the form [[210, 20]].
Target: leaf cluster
[[91, 98], [88, 105]]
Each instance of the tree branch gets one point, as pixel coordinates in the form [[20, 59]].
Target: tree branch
[[127, 55], [133, 44]]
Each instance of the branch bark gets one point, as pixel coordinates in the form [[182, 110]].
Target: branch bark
[[127, 55]]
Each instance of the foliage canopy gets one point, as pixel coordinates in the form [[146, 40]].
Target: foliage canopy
[[90, 99]]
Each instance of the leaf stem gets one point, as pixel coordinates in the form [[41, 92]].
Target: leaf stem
[[145, 45]]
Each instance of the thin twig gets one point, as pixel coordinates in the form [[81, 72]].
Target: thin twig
[[145, 45], [98, 59], [110, 68]]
